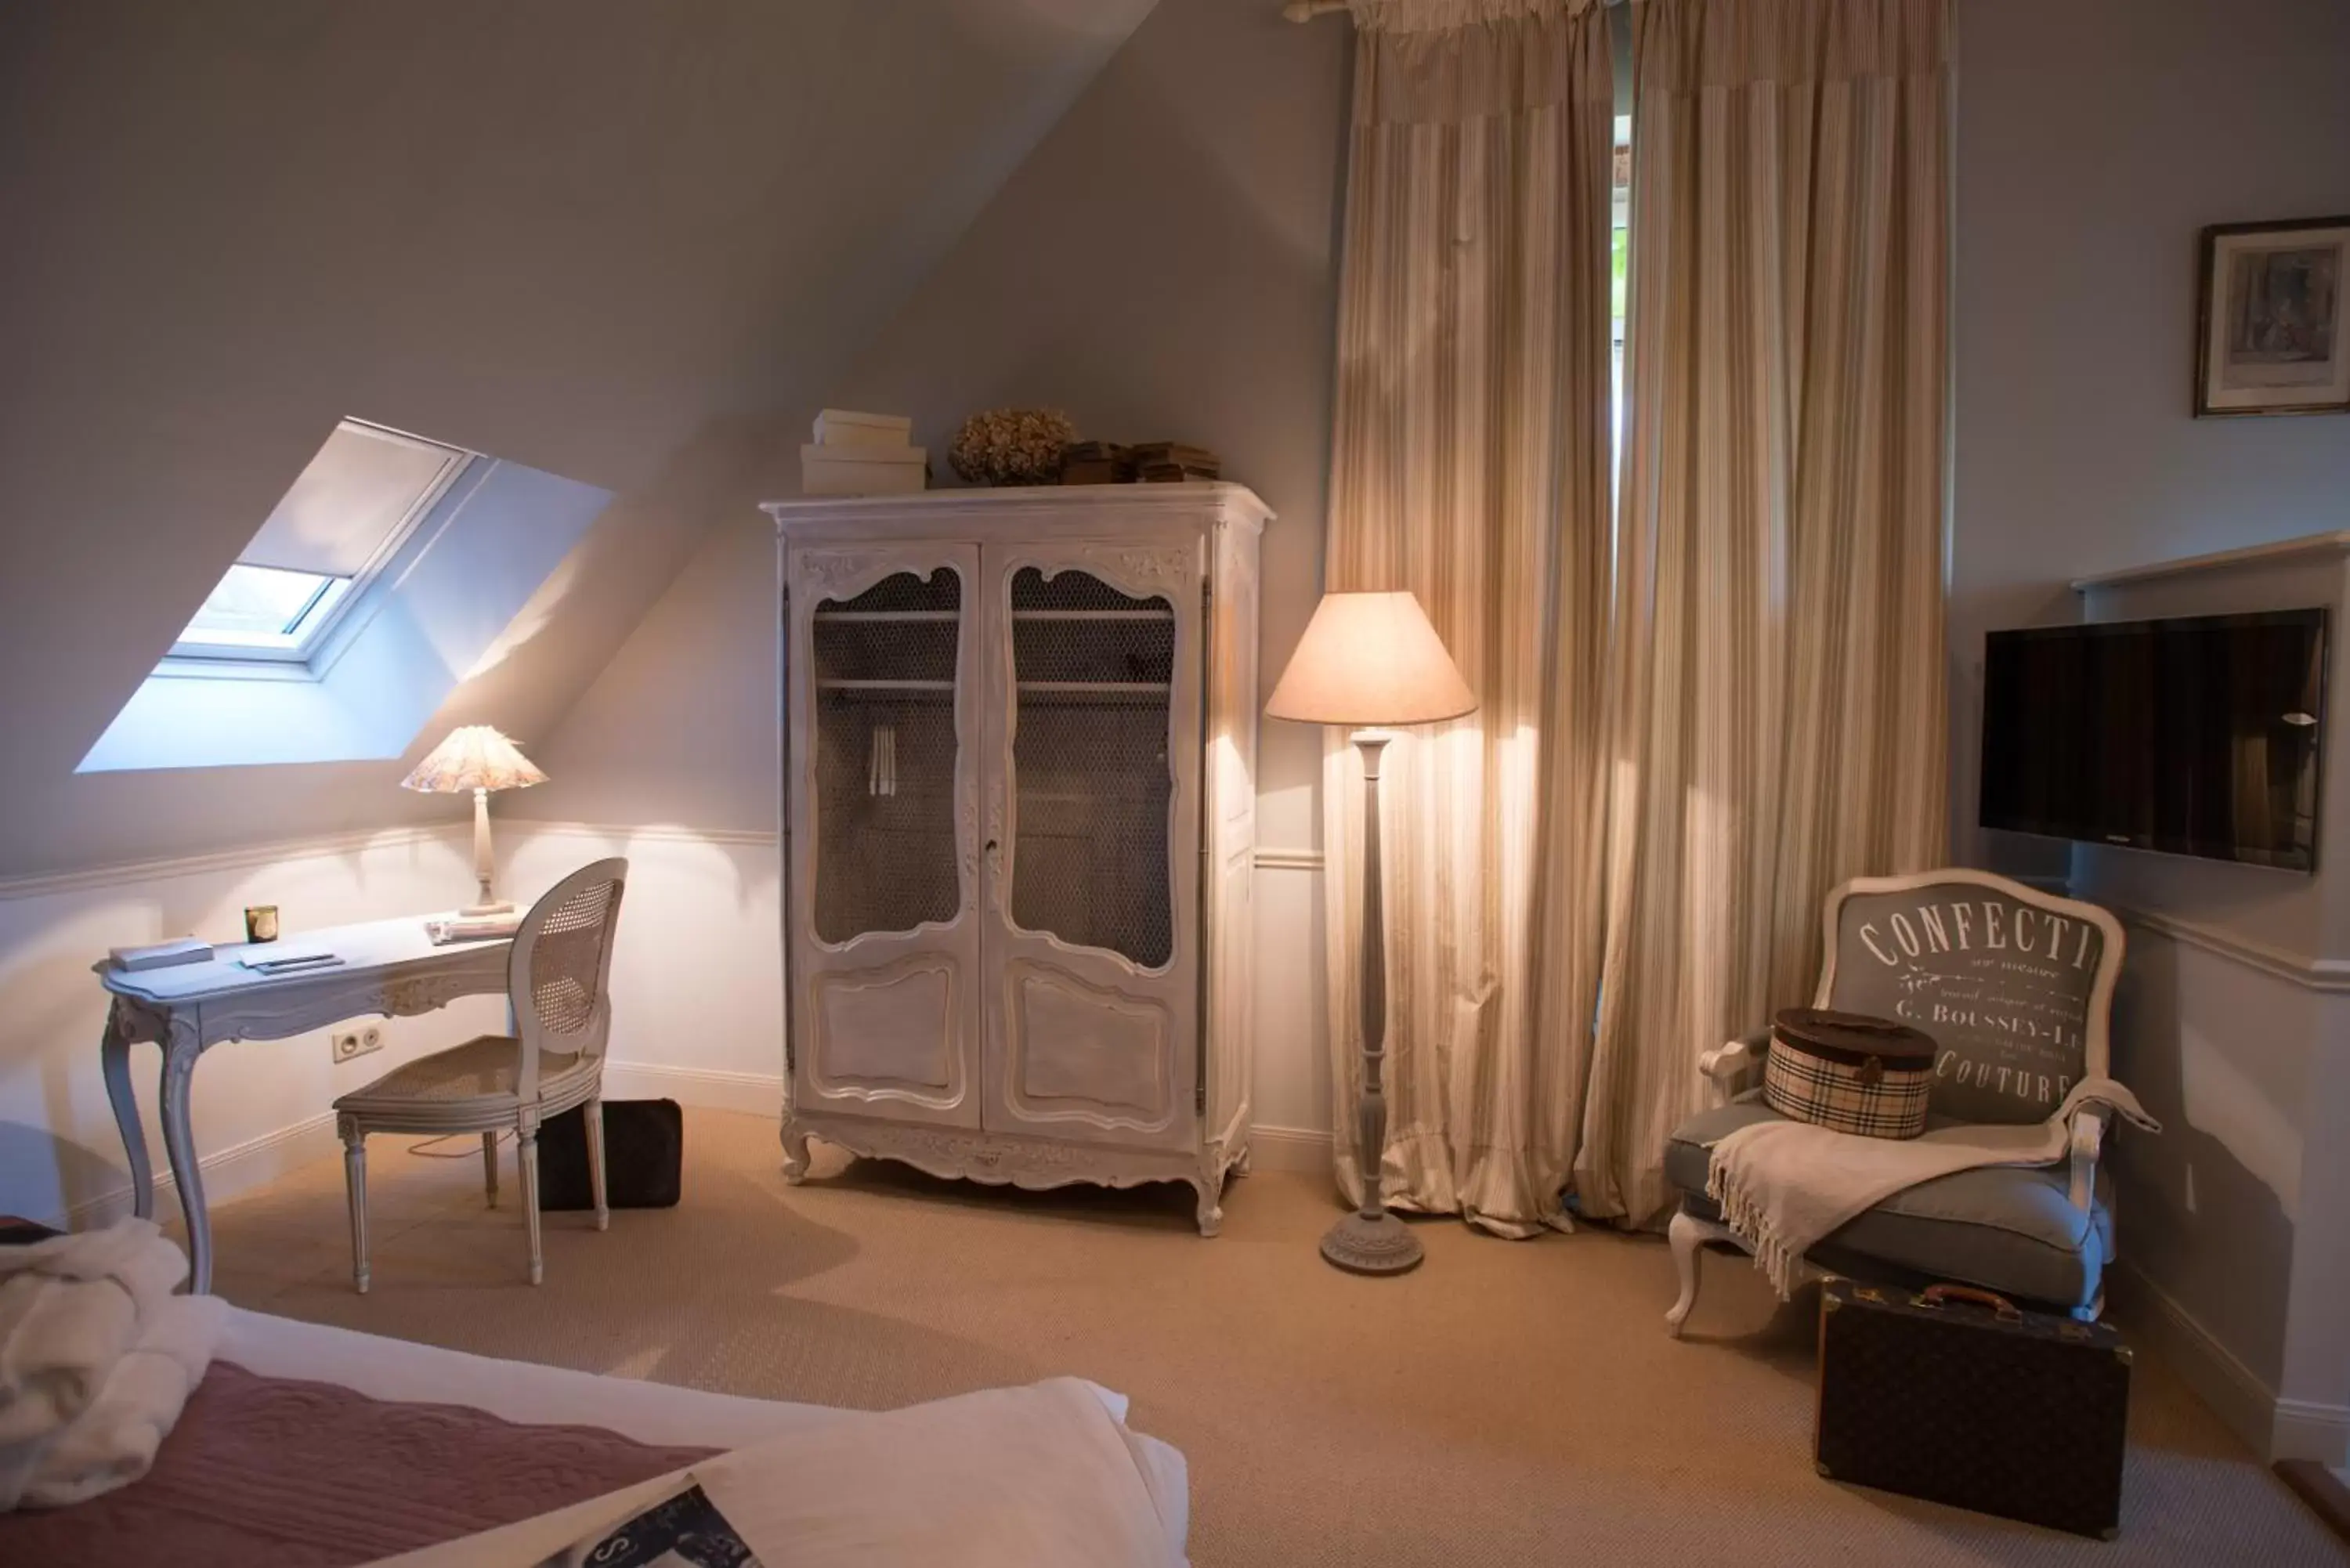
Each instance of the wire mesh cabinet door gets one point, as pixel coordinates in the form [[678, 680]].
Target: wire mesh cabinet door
[[1091, 844], [882, 753]]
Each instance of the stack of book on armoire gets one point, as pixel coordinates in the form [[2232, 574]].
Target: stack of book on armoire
[[1155, 461]]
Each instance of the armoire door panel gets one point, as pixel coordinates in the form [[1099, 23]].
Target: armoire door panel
[[883, 755], [1081, 1052], [1089, 917], [890, 1031]]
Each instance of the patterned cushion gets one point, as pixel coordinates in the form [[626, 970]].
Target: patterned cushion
[[2010, 1228], [2003, 986]]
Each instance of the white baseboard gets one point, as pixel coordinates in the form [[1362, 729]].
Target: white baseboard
[[711, 1089], [1289, 1149], [228, 1172], [257, 1162], [2276, 1428], [2308, 1430]]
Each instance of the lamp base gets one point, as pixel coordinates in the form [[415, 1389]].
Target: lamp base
[[479, 911], [1380, 1244]]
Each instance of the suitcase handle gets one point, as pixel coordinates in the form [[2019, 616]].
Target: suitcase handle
[[1935, 1295]]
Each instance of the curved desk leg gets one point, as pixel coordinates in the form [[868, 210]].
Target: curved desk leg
[[180, 1142], [114, 1060]]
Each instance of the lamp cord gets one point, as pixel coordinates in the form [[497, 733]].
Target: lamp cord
[[425, 1148]]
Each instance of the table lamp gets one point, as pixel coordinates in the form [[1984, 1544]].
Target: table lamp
[[1371, 659], [477, 758]]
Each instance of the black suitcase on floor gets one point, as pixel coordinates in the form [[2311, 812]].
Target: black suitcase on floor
[[644, 1146], [1954, 1395]]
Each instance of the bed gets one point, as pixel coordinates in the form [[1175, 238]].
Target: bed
[[319, 1446]]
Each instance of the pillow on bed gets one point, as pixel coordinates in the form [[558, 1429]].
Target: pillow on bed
[[1024, 1478]]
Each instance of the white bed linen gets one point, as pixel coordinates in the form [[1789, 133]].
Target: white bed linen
[[656, 1413]]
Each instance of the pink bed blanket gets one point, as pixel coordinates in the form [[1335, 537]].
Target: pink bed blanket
[[314, 1475]]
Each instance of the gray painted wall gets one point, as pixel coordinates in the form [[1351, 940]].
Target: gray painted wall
[[609, 240], [1162, 265], [2095, 139]]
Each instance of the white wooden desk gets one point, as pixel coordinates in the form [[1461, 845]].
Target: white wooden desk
[[389, 967]]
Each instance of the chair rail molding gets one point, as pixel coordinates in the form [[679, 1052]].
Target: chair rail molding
[[2321, 974], [645, 833], [455, 834], [237, 857], [2335, 542]]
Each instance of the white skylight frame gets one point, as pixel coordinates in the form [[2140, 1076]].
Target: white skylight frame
[[294, 649]]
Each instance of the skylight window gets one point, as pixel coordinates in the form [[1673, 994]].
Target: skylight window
[[345, 520]]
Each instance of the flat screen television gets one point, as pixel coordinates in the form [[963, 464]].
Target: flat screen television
[[2196, 736]]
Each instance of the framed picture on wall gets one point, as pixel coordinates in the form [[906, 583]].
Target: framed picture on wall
[[2272, 334]]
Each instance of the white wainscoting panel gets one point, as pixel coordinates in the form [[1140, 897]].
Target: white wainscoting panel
[[696, 990], [1305, 1150], [2234, 1221], [697, 981], [709, 1088], [258, 1106], [228, 1173]]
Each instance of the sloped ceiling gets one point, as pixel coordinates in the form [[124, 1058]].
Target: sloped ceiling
[[607, 238]]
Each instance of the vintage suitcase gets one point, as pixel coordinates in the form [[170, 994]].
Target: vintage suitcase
[[1954, 1395], [644, 1148]]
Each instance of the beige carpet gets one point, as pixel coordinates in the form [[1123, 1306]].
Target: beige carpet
[[1510, 1402]]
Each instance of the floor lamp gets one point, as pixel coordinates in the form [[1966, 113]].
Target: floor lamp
[[1371, 663]]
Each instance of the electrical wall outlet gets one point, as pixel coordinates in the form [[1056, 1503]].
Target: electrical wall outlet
[[350, 1042]]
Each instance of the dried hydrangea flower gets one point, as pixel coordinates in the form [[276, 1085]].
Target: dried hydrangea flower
[[1011, 446]]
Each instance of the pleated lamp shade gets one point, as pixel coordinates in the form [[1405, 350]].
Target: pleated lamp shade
[[1370, 659], [473, 757]]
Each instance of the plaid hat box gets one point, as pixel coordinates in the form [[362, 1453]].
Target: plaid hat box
[[1849, 1071]]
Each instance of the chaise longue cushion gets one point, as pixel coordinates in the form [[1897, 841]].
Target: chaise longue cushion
[[2010, 1228]]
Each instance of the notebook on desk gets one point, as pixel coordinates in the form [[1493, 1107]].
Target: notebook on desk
[[290, 961], [160, 955]]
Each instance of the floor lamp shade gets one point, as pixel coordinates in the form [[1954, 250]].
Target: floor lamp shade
[[477, 758], [1369, 660]]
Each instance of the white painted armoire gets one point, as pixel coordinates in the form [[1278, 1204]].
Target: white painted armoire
[[1019, 817]]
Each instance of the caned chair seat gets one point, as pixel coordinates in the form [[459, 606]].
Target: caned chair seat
[[558, 991], [471, 1086]]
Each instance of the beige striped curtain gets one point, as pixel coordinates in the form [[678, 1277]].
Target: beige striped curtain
[[1777, 681], [1470, 464]]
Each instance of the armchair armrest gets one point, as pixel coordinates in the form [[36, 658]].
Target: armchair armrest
[[2088, 1138], [1737, 1064]]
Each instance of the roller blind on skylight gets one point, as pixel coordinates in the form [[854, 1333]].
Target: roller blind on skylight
[[347, 513], [355, 495]]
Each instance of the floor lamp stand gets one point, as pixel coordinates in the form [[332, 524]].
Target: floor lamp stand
[[1371, 1240]]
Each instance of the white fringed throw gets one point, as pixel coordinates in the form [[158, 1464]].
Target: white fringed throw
[[1784, 1185]]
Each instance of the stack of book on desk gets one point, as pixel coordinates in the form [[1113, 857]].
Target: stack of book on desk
[[447, 929]]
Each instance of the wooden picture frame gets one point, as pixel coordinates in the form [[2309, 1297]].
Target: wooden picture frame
[[2272, 322]]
